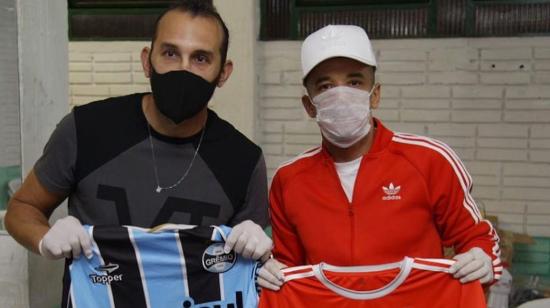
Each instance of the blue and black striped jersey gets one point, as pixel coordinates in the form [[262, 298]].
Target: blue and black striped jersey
[[101, 156], [174, 266]]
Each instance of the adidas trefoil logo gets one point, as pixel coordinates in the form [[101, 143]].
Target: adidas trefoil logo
[[391, 192]]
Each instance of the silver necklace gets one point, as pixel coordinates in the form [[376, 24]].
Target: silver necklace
[[159, 188]]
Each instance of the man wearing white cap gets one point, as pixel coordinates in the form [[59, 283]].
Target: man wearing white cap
[[368, 195]]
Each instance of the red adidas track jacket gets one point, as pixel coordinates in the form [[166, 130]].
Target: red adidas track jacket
[[411, 198]]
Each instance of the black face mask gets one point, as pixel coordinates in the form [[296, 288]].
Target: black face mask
[[180, 95]]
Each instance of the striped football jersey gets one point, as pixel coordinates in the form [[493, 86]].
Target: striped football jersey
[[410, 283], [172, 266]]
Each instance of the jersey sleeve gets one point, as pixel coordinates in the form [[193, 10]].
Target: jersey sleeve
[[456, 213], [255, 205], [55, 168], [287, 246]]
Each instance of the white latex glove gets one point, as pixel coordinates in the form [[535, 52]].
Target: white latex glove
[[66, 238], [249, 240], [270, 275], [471, 265]]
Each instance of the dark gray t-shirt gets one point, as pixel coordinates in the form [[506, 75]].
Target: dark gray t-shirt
[[100, 155]]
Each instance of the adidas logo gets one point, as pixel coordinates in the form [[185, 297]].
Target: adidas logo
[[391, 192]]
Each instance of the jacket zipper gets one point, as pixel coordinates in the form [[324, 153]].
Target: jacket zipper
[[351, 213], [352, 232]]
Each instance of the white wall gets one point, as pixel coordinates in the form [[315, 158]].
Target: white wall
[[14, 289], [236, 100], [13, 258], [43, 81], [10, 143], [488, 98]]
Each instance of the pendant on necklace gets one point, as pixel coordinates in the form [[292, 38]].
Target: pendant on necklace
[[159, 189]]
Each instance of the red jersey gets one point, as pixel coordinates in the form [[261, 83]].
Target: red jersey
[[411, 198], [410, 283]]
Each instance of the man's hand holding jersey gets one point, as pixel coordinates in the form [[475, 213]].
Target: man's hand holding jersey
[[65, 239], [249, 240], [471, 265], [270, 275]]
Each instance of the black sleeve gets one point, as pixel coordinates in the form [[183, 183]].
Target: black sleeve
[[55, 168], [255, 206]]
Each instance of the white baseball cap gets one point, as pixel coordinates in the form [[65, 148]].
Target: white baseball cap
[[336, 41]]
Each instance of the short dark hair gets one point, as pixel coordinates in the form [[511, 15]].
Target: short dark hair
[[202, 8]]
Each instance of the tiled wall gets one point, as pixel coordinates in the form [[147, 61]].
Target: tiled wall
[[102, 69]]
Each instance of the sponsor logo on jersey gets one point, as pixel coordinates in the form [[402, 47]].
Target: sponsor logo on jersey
[[215, 260], [391, 192], [189, 302], [108, 268], [108, 277]]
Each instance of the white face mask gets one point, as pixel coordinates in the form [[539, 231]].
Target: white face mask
[[343, 115]]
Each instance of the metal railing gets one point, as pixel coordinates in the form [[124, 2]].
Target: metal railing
[[295, 19], [114, 19]]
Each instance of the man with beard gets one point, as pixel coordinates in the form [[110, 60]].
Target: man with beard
[[151, 158]]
